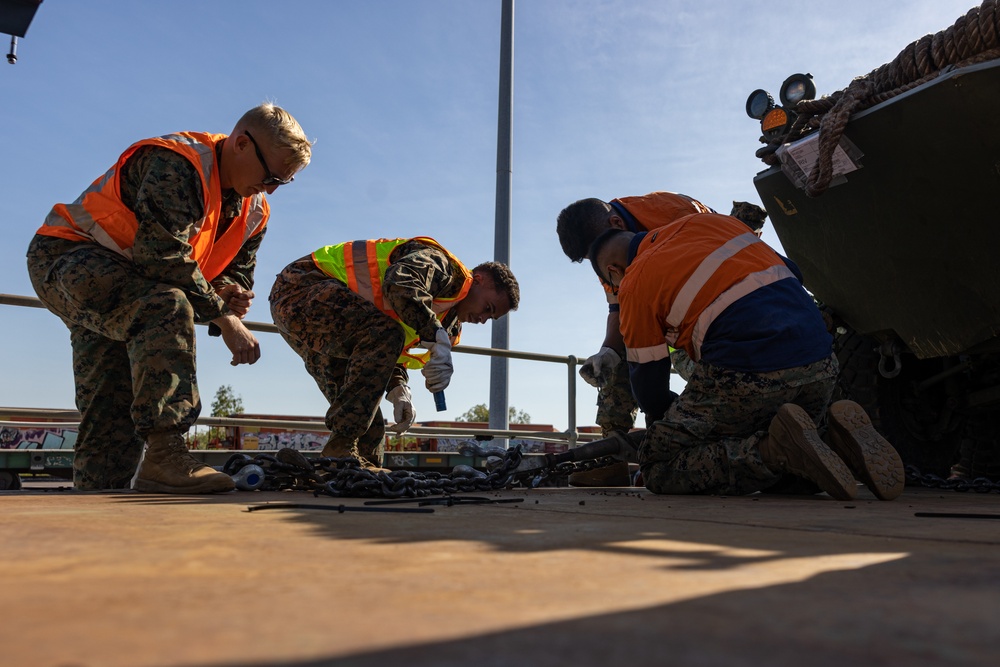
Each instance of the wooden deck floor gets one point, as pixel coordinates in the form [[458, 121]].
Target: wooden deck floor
[[566, 577]]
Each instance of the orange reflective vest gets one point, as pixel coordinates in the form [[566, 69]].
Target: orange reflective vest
[[683, 276], [361, 265], [99, 216], [653, 211]]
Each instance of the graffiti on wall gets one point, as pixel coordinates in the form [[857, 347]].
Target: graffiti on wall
[[12, 437], [527, 446], [295, 439]]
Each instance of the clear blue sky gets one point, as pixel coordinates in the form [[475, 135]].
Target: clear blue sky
[[611, 98]]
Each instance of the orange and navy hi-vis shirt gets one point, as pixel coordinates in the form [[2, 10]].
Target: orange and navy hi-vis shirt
[[706, 284], [645, 213]]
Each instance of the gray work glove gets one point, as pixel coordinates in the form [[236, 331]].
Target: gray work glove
[[597, 369], [439, 369], [402, 409]]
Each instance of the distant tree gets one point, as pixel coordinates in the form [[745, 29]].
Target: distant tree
[[515, 416], [226, 403], [481, 413], [477, 413], [197, 439]]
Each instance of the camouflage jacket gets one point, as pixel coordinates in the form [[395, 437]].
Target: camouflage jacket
[[164, 191], [418, 273]]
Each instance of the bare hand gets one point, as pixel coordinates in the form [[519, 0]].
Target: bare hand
[[237, 298], [240, 341]]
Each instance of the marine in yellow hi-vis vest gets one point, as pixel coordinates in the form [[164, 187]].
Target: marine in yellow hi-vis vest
[[361, 313]]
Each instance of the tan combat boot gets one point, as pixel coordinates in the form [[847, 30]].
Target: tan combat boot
[[616, 474], [793, 445], [342, 450], [168, 467], [870, 456]]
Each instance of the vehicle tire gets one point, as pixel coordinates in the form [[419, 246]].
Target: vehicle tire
[[917, 424], [9, 481]]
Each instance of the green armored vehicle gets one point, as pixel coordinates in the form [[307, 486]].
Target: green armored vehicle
[[887, 196]]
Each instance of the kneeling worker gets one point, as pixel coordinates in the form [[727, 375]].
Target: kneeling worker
[[758, 399], [353, 312]]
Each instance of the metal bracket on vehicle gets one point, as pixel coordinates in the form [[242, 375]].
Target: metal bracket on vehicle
[[887, 349]]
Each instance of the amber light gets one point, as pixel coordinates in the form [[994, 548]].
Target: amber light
[[774, 119]]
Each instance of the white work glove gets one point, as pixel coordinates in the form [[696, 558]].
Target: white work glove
[[402, 409], [597, 369], [438, 370]]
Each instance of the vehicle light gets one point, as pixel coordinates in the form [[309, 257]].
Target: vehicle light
[[774, 123], [759, 103], [796, 88]]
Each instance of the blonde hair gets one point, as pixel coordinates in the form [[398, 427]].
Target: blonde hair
[[281, 130]]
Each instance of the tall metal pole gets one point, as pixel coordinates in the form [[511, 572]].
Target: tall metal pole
[[501, 243]]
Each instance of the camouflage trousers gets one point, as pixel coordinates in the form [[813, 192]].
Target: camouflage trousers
[[616, 406], [348, 345], [707, 441], [133, 345]]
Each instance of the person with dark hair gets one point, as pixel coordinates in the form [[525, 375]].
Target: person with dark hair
[[356, 311], [577, 226], [167, 237], [756, 408]]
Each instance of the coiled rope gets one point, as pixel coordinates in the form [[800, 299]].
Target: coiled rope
[[974, 38]]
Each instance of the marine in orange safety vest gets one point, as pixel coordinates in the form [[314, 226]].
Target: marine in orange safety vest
[[100, 216], [165, 238]]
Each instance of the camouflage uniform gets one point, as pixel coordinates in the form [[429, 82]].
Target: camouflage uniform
[[706, 442], [131, 323], [616, 406], [349, 346], [749, 214]]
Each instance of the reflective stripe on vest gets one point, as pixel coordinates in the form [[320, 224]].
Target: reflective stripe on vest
[[692, 310], [705, 270], [98, 214], [752, 282], [644, 355], [652, 211], [361, 265]]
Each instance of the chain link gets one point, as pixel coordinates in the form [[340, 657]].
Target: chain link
[[552, 476], [980, 484], [346, 477], [289, 470]]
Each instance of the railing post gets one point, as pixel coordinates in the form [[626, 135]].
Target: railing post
[[571, 392]]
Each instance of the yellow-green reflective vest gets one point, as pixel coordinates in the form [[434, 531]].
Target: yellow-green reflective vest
[[361, 265]]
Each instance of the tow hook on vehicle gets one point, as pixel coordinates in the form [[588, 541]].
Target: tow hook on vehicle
[[887, 349]]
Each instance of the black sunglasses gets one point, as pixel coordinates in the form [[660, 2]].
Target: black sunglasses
[[269, 178]]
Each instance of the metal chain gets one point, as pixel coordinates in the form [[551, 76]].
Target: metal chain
[[557, 472], [980, 484], [288, 469]]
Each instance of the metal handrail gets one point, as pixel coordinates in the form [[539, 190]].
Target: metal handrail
[[570, 434], [72, 419]]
